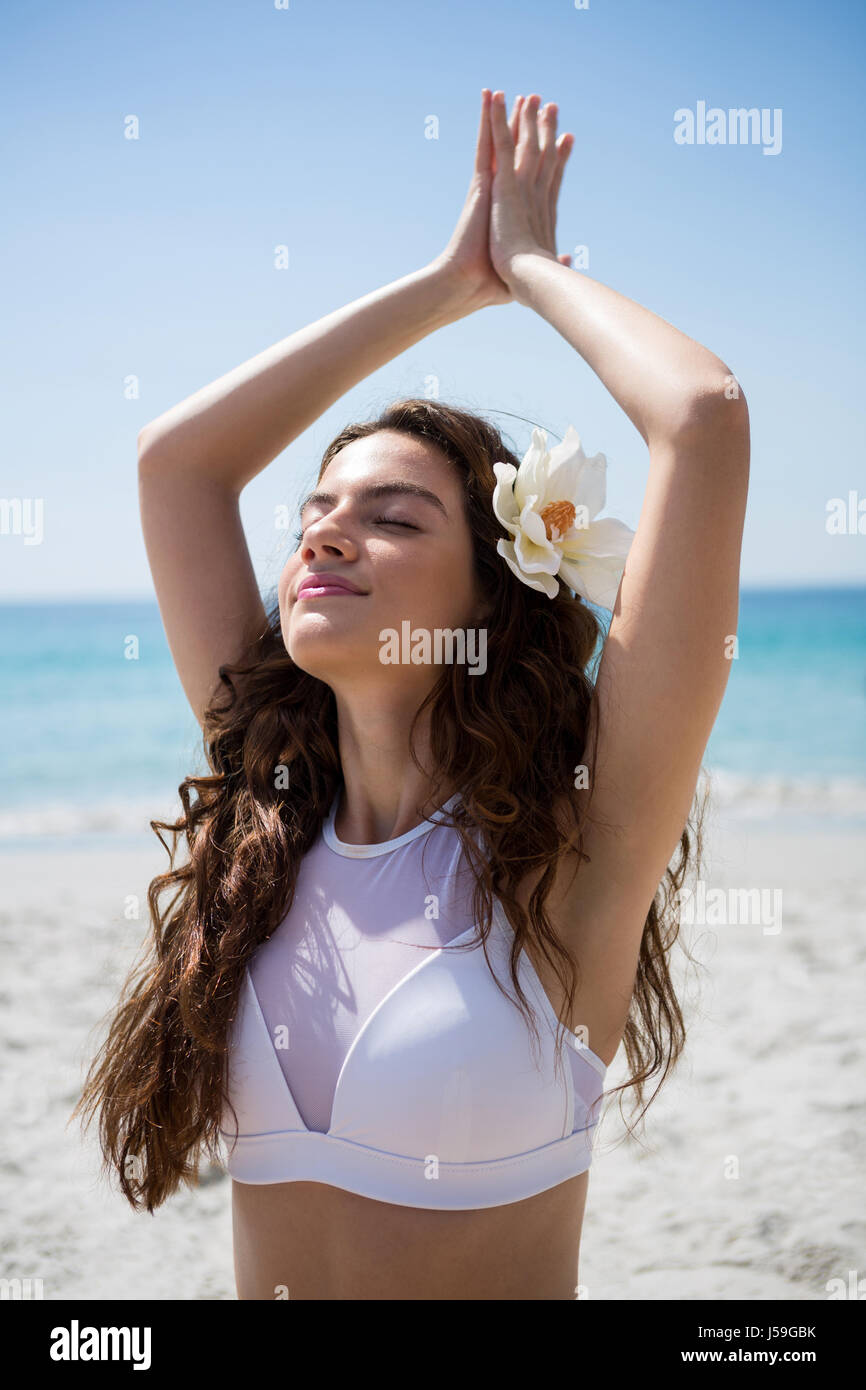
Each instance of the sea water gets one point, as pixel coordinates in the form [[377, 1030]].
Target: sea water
[[97, 734]]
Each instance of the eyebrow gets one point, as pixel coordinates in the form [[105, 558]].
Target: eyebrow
[[375, 490]]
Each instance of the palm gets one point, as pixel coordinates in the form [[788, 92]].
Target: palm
[[469, 248], [495, 220]]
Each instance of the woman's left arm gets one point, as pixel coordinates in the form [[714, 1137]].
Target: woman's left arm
[[666, 383], [668, 652]]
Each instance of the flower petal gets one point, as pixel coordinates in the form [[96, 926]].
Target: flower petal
[[545, 583], [565, 465], [532, 472], [504, 505], [532, 525], [574, 477], [608, 536], [595, 578], [536, 558], [592, 484]]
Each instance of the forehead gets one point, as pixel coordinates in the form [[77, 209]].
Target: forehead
[[402, 455], [387, 461]]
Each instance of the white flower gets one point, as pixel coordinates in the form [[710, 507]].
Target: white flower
[[549, 505]]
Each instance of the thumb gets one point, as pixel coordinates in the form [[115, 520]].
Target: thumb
[[484, 146]]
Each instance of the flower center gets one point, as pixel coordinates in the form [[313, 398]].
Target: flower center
[[558, 516]]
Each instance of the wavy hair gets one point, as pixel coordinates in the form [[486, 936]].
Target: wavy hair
[[509, 741]]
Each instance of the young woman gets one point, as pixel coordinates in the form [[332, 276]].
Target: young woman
[[415, 888]]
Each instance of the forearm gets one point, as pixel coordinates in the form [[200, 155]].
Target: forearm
[[234, 427], [657, 374]]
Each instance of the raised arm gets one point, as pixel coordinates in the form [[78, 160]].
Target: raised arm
[[668, 653], [195, 459]]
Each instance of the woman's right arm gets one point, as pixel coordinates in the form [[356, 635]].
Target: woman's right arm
[[195, 459]]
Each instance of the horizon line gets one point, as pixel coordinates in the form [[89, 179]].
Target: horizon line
[[771, 586]]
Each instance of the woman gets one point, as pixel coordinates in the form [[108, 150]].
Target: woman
[[397, 1120]]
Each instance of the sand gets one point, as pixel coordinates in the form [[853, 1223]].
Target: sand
[[750, 1178]]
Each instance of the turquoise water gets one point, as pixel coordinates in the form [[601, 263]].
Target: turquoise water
[[796, 700], [96, 743]]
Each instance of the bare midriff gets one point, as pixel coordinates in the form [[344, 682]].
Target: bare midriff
[[308, 1240]]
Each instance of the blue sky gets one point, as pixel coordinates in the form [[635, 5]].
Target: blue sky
[[305, 127]]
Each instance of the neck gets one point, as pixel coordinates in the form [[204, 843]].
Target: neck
[[383, 787]]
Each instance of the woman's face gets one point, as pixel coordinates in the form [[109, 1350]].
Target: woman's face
[[409, 554]]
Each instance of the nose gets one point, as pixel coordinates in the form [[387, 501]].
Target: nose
[[325, 536], [311, 547]]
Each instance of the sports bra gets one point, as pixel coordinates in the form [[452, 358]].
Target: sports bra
[[354, 1063]]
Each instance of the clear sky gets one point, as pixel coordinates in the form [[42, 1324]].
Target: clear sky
[[305, 126]]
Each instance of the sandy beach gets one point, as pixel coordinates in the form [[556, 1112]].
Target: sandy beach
[[748, 1185]]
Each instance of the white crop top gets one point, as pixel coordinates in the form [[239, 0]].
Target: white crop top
[[367, 1055]]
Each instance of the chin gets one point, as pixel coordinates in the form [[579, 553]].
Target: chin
[[323, 654]]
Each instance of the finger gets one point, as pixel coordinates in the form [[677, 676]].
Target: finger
[[565, 259], [564, 146], [547, 141], [514, 123], [503, 145], [484, 146], [546, 212], [527, 148]]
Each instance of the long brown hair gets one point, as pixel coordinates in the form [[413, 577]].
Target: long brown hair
[[509, 741]]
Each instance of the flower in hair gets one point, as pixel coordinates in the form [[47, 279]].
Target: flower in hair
[[549, 505]]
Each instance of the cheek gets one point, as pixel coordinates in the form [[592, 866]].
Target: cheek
[[440, 593], [285, 581]]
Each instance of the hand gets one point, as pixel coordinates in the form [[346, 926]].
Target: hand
[[529, 163], [466, 258]]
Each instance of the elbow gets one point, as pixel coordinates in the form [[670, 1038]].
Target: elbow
[[716, 401], [144, 442], [148, 437], [714, 412], [151, 447], [712, 430]]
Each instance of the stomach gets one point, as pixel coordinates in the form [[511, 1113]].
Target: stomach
[[307, 1240]]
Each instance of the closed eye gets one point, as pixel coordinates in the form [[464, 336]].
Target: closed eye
[[376, 521]]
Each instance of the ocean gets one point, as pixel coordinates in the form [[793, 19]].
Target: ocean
[[98, 734]]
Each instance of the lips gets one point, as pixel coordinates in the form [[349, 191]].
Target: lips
[[326, 582]]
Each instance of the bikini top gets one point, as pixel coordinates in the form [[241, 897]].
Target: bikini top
[[418, 1083]]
